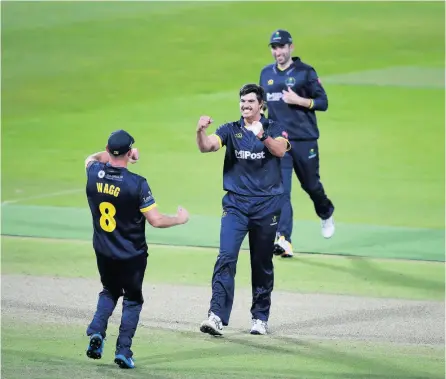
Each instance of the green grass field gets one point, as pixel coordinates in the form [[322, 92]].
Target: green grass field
[[72, 72]]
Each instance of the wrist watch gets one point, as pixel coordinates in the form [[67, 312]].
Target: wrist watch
[[263, 137]]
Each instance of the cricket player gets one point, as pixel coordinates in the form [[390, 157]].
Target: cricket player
[[120, 203], [293, 95], [252, 205]]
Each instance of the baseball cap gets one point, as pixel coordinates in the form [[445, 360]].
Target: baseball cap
[[280, 37], [120, 142]]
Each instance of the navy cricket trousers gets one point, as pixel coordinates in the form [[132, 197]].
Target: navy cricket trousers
[[258, 217], [120, 278], [303, 158]]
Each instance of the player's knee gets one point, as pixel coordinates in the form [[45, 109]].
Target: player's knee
[[135, 296], [114, 292], [226, 263]]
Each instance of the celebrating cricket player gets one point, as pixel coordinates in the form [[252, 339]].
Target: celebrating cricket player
[[252, 205], [120, 202]]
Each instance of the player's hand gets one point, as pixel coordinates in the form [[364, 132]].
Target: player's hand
[[203, 123], [182, 215], [257, 128], [291, 97], [134, 156]]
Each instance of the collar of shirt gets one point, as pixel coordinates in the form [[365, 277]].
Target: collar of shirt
[[295, 61], [263, 120]]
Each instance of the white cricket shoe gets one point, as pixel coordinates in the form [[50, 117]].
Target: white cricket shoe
[[212, 325], [283, 248], [328, 227], [259, 327]]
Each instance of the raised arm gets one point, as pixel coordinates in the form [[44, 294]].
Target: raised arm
[[205, 143], [101, 156], [104, 157]]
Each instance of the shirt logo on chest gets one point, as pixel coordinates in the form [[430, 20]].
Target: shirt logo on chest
[[290, 81], [243, 154], [238, 135], [270, 82]]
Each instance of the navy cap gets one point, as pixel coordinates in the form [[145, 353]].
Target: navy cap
[[120, 142], [280, 37]]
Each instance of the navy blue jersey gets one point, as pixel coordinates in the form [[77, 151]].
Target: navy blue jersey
[[300, 122], [117, 198], [249, 167]]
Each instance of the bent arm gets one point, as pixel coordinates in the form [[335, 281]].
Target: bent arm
[[319, 99], [159, 220], [277, 146], [102, 157], [207, 144]]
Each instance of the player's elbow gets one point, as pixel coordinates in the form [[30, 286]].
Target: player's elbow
[[155, 222], [281, 153], [322, 104]]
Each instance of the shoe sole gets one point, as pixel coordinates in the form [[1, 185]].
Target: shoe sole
[[95, 344], [121, 363], [278, 250], [210, 330], [257, 333]]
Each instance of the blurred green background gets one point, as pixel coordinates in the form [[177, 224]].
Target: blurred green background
[[72, 72]]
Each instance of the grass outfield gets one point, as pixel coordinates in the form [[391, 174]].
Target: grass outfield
[[192, 266], [35, 351]]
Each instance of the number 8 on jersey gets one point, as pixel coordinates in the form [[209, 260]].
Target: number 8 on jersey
[[107, 220]]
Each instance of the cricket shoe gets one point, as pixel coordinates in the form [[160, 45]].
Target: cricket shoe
[[212, 325], [123, 362], [328, 227], [95, 347], [283, 248], [259, 327]]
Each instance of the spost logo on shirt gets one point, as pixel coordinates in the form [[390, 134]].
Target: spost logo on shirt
[[274, 96], [243, 154]]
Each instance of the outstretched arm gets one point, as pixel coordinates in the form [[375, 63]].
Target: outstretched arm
[[159, 220]]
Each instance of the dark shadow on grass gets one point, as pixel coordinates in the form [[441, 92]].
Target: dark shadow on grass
[[366, 270], [362, 315], [53, 366], [318, 352]]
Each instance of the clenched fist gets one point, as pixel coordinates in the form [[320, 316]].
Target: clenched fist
[[182, 215], [134, 156], [203, 123]]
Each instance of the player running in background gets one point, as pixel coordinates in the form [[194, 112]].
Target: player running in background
[[293, 95]]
